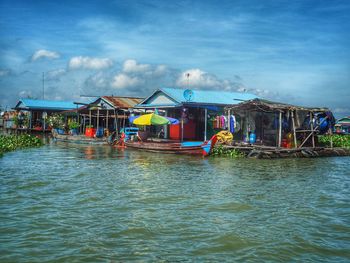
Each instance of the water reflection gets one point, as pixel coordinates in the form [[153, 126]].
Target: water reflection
[[99, 203]]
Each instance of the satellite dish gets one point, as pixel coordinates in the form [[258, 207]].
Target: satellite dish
[[188, 95]]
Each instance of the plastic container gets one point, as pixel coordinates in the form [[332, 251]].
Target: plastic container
[[90, 132], [252, 138], [99, 132]]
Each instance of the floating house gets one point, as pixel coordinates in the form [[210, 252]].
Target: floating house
[[31, 113], [343, 126], [269, 123], [197, 110], [106, 114]]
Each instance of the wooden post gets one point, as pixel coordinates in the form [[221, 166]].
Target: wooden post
[[228, 119], [280, 130], [182, 125], [30, 120], [107, 121], [116, 122], [83, 130], [312, 128], [124, 120], [165, 127], [205, 123], [294, 132], [98, 119]]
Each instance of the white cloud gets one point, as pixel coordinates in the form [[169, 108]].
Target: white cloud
[[122, 81], [89, 63], [196, 78], [43, 53], [131, 66], [98, 80], [55, 74]]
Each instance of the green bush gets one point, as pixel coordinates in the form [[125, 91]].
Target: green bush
[[338, 140], [56, 120], [73, 125], [13, 142]]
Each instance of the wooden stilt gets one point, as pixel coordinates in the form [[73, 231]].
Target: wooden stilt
[[116, 122], [312, 128], [280, 130], [294, 132], [98, 119], [228, 118], [107, 121]]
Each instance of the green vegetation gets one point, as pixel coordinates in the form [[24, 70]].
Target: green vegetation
[[221, 151], [73, 125], [338, 140], [13, 142], [56, 120]]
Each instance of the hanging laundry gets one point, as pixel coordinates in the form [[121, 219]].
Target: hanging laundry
[[225, 124], [232, 123]]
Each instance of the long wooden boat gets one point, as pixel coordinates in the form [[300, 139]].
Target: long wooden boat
[[82, 139], [192, 148]]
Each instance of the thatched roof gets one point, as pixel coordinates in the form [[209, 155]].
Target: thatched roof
[[271, 106]]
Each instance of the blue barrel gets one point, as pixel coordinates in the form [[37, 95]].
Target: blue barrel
[[99, 132], [324, 124], [252, 138]]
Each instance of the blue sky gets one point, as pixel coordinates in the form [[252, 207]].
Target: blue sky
[[291, 51]]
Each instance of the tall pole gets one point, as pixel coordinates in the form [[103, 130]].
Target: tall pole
[[205, 123], [43, 85]]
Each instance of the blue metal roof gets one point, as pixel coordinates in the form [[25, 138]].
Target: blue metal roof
[[203, 97], [29, 104]]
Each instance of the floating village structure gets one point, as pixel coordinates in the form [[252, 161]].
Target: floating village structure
[[272, 129], [106, 114], [258, 127], [343, 126], [197, 111], [30, 114]]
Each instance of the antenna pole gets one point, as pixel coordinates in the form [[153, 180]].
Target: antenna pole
[[188, 80], [43, 85]]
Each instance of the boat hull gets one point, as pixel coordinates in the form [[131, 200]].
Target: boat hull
[[81, 139], [171, 148]]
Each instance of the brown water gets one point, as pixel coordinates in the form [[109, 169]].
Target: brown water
[[64, 203]]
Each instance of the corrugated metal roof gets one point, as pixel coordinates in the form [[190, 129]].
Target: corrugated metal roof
[[209, 96], [122, 102], [204, 96], [45, 104]]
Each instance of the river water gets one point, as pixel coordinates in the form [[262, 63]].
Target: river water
[[72, 203]]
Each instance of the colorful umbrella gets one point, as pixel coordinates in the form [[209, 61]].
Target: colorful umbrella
[[151, 119]]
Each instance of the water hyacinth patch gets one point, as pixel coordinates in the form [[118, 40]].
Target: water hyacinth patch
[[10, 143], [338, 140], [221, 151]]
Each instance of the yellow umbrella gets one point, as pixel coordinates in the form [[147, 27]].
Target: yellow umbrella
[[151, 119]]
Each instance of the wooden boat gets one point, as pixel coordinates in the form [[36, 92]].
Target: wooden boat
[[79, 139], [192, 148]]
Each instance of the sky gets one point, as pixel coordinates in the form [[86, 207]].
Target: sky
[[295, 52]]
